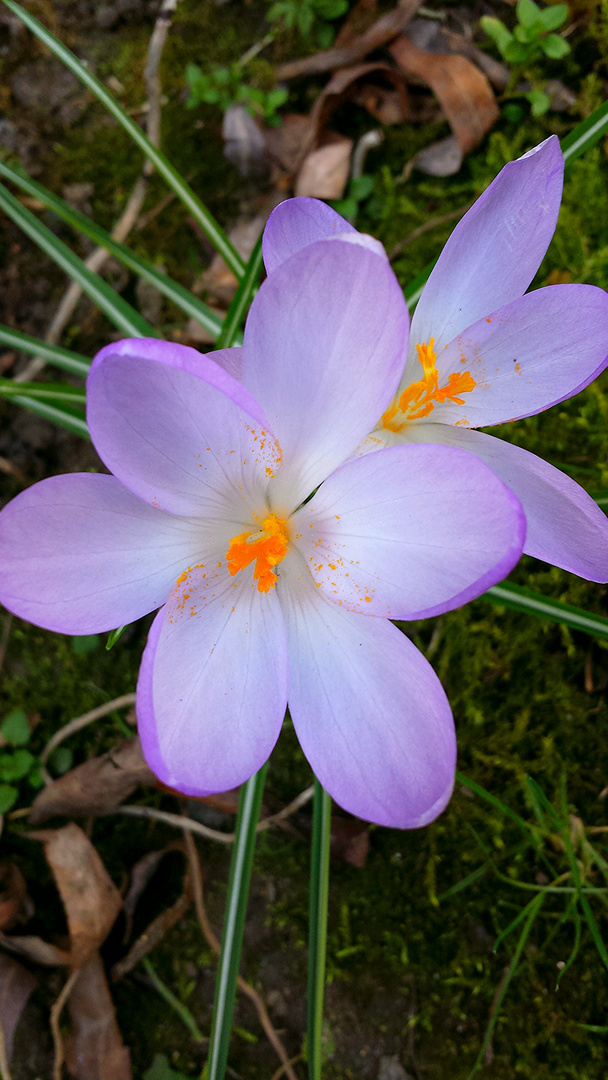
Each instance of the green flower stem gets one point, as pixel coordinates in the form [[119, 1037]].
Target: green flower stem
[[242, 299], [178, 1006], [529, 602], [180, 296], [63, 358], [125, 317], [586, 134], [317, 934], [183, 191], [250, 801]]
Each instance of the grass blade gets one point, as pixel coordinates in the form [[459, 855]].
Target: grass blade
[[62, 358], [586, 134], [242, 299], [250, 801], [51, 392], [594, 928], [317, 941], [115, 635], [178, 1006], [175, 292], [183, 191], [126, 318], [64, 416], [477, 789], [518, 598]]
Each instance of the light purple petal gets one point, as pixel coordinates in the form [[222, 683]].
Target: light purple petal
[[212, 690], [369, 711], [80, 554], [177, 441], [221, 368], [540, 350], [495, 251], [565, 525], [296, 223], [324, 347], [410, 531]]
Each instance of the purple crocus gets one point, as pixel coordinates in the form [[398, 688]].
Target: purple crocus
[[270, 599], [482, 353]]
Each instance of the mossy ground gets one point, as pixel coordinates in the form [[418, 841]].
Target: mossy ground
[[410, 973]]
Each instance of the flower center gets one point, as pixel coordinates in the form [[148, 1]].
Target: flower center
[[266, 548], [419, 398]]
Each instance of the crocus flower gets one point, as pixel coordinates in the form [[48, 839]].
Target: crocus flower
[[482, 353], [271, 597]]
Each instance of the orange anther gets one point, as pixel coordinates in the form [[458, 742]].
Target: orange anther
[[265, 548], [419, 398]]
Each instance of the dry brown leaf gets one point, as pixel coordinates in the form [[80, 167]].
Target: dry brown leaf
[[357, 22], [463, 91], [442, 158], [96, 786], [383, 79], [285, 142], [16, 985], [379, 34], [349, 840], [35, 949], [90, 897], [244, 144], [431, 36], [141, 874], [324, 172], [219, 281], [96, 1050], [13, 895]]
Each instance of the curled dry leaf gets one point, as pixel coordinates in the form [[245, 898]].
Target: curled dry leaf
[[96, 786], [35, 949], [16, 985], [431, 36], [89, 896], [141, 874], [324, 172], [349, 840], [96, 1050], [359, 19], [463, 91], [244, 144], [13, 894]]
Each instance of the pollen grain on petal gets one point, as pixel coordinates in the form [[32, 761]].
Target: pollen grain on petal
[[419, 398]]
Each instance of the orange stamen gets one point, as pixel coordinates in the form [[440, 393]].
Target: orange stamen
[[419, 398], [265, 548]]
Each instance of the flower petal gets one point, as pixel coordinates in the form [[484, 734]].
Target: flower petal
[[80, 554], [212, 689], [410, 531], [296, 223], [495, 251], [177, 441], [534, 353], [220, 368], [368, 709], [324, 346], [565, 526]]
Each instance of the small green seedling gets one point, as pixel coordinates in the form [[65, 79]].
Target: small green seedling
[[359, 189], [226, 86], [18, 763], [531, 39], [311, 18]]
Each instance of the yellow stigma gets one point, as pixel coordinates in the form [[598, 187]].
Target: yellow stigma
[[419, 398], [265, 548]]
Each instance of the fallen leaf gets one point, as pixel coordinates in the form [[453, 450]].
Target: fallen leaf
[[96, 1050], [13, 895], [244, 144], [35, 949], [285, 143], [379, 34], [324, 172], [218, 280], [463, 91], [16, 985], [141, 874], [357, 22], [431, 36], [442, 158], [349, 840], [96, 786], [375, 80], [90, 897]]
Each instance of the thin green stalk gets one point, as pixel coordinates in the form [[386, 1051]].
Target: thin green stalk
[[178, 1006], [175, 292], [51, 392], [62, 358], [317, 933], [125, 317], [518, 598], [242, 299], [586, 134], [250, 801], [62, 415], [183, 191]]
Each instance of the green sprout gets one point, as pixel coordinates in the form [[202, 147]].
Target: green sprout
[[532, 39], [311, 18], [18, 763], [226, 86]]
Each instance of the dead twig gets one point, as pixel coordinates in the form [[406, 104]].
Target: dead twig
[[196, 876], [379, 34], [135, 202], [192, 826], [56, 1010], [281, 1069], [432, 223], [80, 722]]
